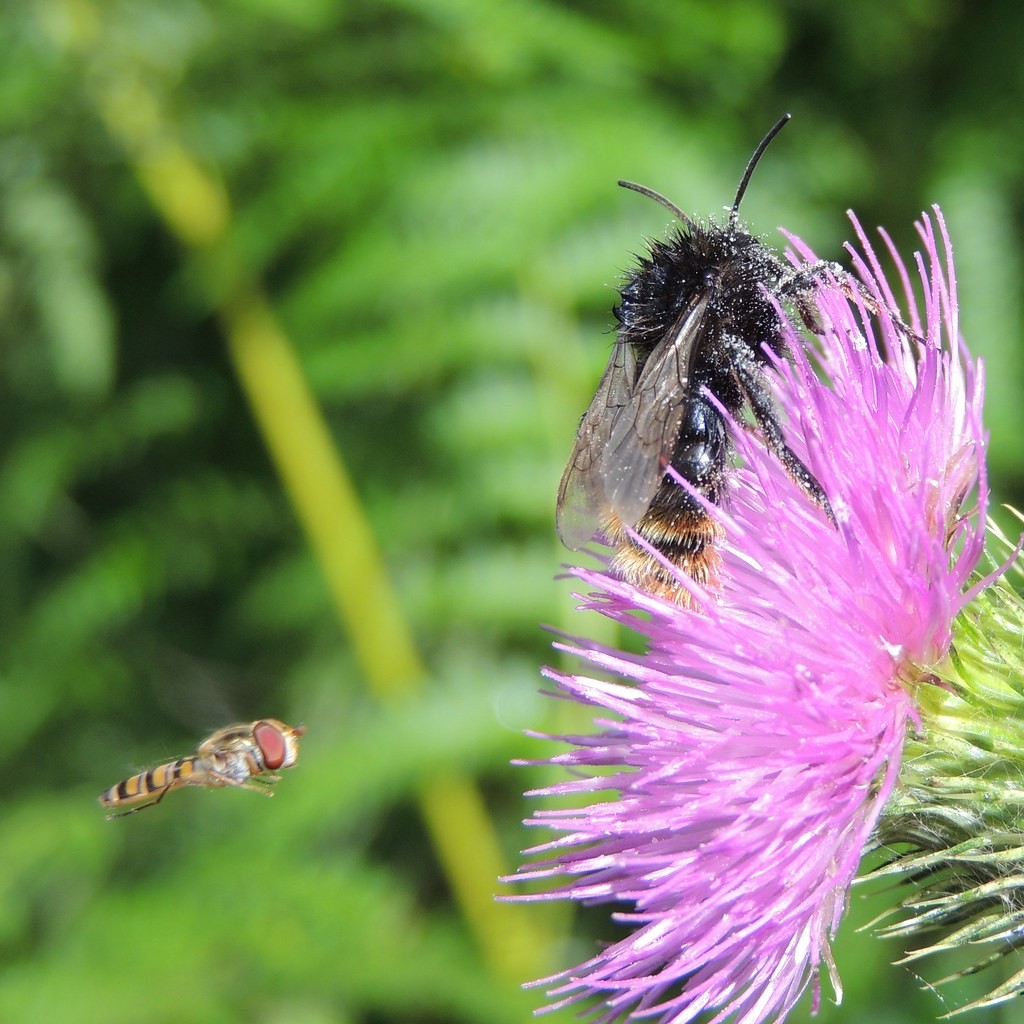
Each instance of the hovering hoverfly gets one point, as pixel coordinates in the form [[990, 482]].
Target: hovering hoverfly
[[693, 319], [244, 755]]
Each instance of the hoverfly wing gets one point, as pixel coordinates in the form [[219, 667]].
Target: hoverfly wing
[[581, 493], [644, 437], [231, 737]]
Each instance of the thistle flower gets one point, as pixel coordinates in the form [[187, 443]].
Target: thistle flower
[[759, 741]]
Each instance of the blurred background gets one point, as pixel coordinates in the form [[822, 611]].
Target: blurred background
[[300, 303]]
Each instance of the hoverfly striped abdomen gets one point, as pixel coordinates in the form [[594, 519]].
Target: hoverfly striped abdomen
[[150, 787]]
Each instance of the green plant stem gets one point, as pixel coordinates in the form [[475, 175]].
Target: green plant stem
[[196, 211]]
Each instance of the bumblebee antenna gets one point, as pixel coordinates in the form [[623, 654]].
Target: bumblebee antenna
[[658, 198], [751, 164]]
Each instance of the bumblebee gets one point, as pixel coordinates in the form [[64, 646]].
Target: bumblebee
[[694, 318]]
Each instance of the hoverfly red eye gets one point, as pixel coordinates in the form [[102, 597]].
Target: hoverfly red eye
[[270, 740]]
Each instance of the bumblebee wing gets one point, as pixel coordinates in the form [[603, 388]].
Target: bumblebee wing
[[644, 437], [581, 493], [637, 437]]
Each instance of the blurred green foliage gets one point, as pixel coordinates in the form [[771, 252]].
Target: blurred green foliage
[[425, 189]]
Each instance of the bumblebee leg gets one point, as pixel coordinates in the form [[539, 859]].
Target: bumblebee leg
[[798, 286], [754, 386]]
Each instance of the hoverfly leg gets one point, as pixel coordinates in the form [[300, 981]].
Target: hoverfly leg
[[257, 783], [141, 807]]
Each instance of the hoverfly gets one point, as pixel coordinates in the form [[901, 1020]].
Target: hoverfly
[[693, 318], [243, 755]]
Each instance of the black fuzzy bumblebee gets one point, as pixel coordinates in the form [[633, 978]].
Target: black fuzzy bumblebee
[[693, 319]]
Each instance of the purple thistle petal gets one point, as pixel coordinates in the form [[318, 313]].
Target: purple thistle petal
[[760, 737]]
